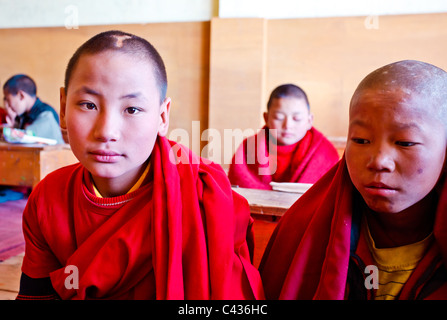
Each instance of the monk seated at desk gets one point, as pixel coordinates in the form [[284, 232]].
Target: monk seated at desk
[[294, 149], [26, 111]]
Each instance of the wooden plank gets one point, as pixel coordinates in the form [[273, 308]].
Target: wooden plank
[[263, 230], [237, 77], [268, 202], [18, 166], [10, 272], [266, 207], [26, 165], [53, 159]]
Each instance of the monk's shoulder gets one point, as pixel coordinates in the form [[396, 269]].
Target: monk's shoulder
[[57, 180]]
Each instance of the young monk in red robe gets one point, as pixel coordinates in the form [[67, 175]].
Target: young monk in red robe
[[375, 226], [130, 221], [287, 149]]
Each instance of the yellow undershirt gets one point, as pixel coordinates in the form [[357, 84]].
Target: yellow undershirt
[[135, 186], [395, 264]]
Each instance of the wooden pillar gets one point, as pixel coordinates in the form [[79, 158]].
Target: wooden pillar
[[237, 79]]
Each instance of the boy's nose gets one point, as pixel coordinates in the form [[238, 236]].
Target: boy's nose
[[287, 122], [381, 159], [107, 128]]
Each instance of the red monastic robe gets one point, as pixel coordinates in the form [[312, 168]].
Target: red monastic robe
[[308, 254], [182, 235], [306, 161]]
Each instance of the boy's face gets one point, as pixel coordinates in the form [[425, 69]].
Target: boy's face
[[291, 118], [112, 114], [396, 149], [15, 102]]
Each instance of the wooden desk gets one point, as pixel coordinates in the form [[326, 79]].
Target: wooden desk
[[27, 164], [266, 207], [268, 203]]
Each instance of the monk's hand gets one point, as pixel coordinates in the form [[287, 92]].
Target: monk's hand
[[10, 115]]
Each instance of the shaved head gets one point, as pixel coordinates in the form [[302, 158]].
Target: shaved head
[[411, 78], [118, 41]]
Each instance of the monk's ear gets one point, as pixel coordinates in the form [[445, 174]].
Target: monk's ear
[[311, 120], [21, 94], [444, 169], [164, 117], [266, 117], [63, 102], [62, 119]]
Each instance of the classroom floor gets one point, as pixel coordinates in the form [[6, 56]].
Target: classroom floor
[[10, 277], [11, 246]]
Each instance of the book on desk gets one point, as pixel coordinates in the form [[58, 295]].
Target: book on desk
[[273, 202]]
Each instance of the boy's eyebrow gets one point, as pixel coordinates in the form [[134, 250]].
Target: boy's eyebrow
[[280, 111], [88, 90], [131, 95], [358, 122], [398, 126], [135, 95], [409, 125]]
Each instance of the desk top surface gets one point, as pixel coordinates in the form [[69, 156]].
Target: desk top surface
[[268, 202], [31, 146]]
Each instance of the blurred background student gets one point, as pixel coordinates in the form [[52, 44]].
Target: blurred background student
[[28, 111], [300, 152]]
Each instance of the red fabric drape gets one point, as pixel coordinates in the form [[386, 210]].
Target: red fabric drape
[[307, 256], [253, 162], [195, 239]]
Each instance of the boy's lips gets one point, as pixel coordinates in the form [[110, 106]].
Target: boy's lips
[[105, 156], [380, 189]]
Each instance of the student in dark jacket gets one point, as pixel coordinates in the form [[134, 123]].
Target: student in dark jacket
[[31, 113]]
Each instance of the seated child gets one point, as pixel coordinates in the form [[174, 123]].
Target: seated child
[[126, 222], [29, 111], [375, 226], [295, 150]]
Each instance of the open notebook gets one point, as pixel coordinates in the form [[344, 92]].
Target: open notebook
[[290, 186], [13, 135]]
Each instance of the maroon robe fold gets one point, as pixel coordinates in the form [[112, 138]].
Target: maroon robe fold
[[308, 254]]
